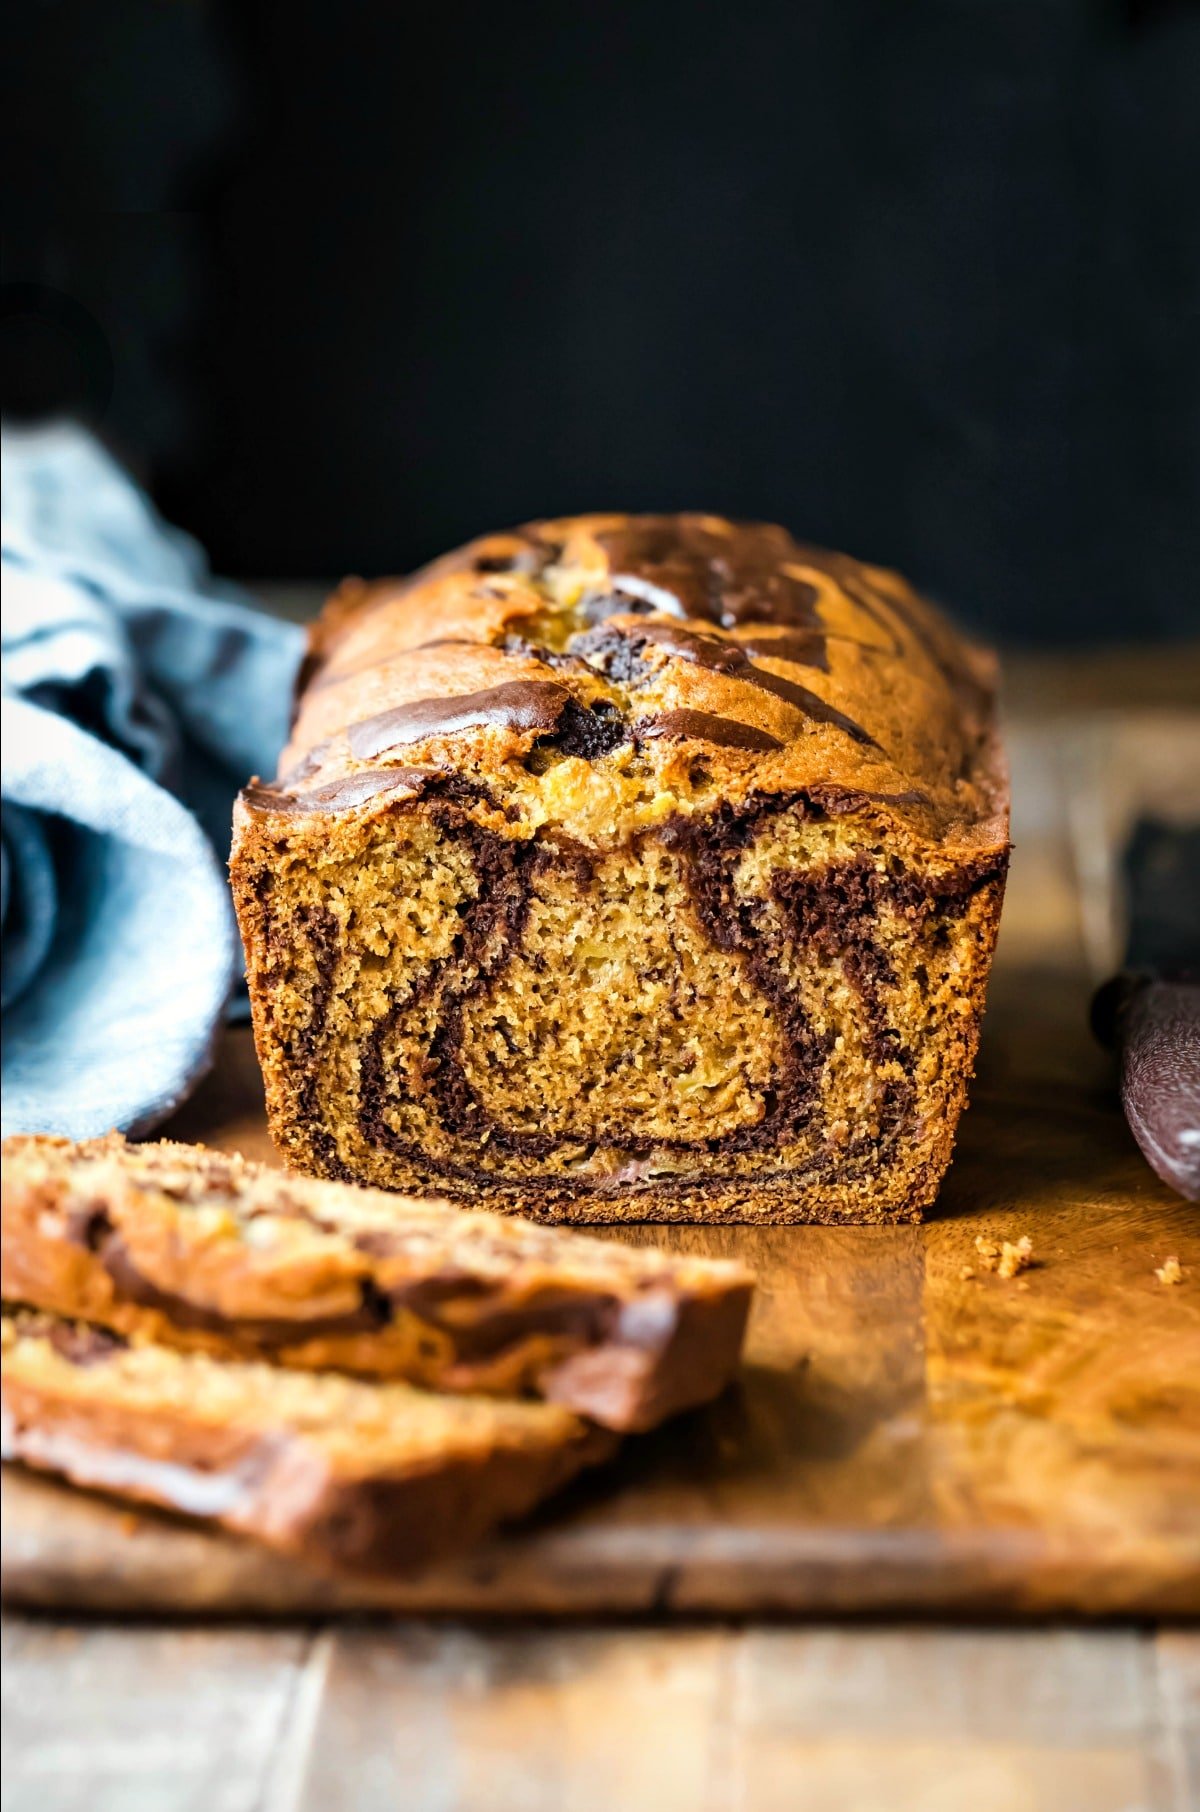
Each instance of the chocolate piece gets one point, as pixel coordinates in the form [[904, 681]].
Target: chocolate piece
[[706, 726], [556, 659], [739, 576], [705, 650], [338, 795], [614, 653], [519, 705], [588, 731], [805, 647]]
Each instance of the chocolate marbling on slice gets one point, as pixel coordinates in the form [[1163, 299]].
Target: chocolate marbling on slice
[[376, 1478], [207, 1252]]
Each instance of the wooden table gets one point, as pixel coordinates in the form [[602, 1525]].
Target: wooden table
[[446, 1715]]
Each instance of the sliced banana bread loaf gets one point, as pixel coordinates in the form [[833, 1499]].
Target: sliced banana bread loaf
[[207, 1252]]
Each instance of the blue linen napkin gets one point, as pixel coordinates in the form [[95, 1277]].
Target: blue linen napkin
[[137, 694]]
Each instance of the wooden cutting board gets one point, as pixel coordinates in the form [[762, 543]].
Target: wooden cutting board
[[910, 1432]]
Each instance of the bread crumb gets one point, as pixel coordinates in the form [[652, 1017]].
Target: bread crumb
[[1014, 1258], [1007, 1258], [1170, 1271]]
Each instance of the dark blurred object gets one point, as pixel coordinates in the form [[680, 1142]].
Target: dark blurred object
[[918, 281], [114, 122], [1151, 1011]]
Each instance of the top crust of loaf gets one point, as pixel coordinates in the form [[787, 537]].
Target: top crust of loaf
[[606, 673]]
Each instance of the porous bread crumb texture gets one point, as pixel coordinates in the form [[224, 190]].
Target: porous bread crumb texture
[[778, 1021], [654, 969]]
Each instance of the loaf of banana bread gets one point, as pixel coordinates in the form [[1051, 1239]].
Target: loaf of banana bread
[[207, 1252], [369, 1477], [629, 868]]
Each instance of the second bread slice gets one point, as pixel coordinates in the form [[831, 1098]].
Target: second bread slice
[[377, 1478]]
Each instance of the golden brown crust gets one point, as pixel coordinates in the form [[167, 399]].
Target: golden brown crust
[[517, 609], [365, 1477], [211, 1253], [630, 868]]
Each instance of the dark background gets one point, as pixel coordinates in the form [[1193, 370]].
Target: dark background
[[350, 283]]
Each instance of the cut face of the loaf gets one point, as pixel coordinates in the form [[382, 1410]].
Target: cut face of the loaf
[[767, 1011]]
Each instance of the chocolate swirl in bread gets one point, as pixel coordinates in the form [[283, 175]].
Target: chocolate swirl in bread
[[629, 866]]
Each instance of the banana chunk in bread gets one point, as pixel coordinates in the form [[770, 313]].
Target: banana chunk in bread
[[629, 867], [366, 1477], [206, 1252]]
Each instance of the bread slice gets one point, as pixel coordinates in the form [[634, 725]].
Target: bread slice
[[205, 1252], [367, 1477]]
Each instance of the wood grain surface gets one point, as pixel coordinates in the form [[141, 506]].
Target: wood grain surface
[[911, 1431], [641, 1719]]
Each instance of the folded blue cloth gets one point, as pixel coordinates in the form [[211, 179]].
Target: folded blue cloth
[[137, 695]]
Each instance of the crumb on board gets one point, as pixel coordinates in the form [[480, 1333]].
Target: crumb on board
[[1007, 1258], [1015, 1257], [1170, 1271]]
